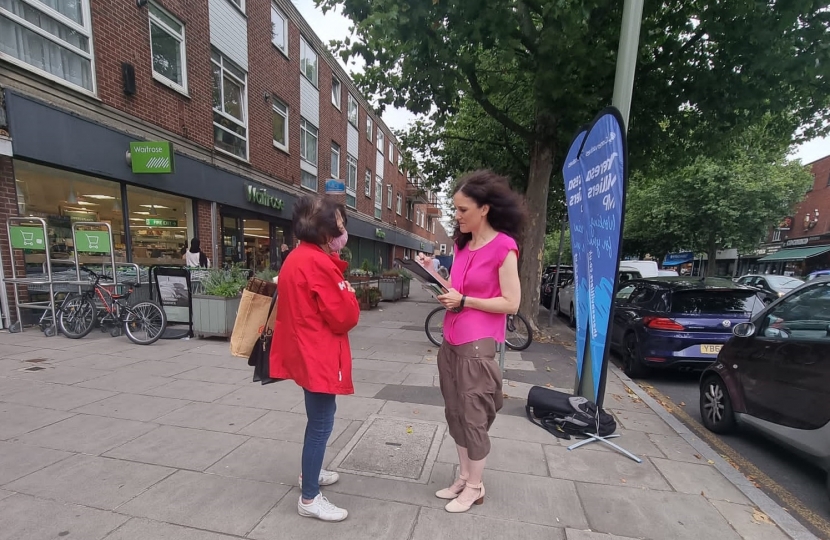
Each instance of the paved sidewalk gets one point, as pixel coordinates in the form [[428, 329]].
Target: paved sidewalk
[[103, 439]]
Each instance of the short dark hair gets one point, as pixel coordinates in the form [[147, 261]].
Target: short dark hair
[[315, 219], [507, 210]]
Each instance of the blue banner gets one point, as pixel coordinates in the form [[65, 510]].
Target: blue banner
[[595, 177], [335, 187]]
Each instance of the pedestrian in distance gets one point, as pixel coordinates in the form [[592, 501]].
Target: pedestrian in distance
[[195, 257], [316, 308], [485, 285]]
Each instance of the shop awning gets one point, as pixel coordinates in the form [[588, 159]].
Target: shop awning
[[795, 254], [675, 259]]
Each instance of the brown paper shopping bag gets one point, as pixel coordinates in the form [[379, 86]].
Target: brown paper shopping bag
[[251, 319]]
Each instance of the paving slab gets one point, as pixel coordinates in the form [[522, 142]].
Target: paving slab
[[383, 489], [425, 369], [29, 518], [192, 390], [652, 515], [676, 449], [648, 422], [134, 383], [57, 396], [505, 455], [350, 407], [413, 411], [91, 481], [216, 375], [367, 389], [99, 361], [133, 407], [212, 417], [157, 368], [146, 529], [704, 479], [393, 354], [207, 501], [278, 462], [638, 443], [18, 460], [286, 426], [419, 379], [378, 376], [10, 385], [441, 525], [183, 448], [751, 523], [58, 373], [86, 434], [576, 534], [281, 396], [15, 420], [368, 518], [610, 468], [365, 364]]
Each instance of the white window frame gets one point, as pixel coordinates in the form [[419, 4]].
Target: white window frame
[[398, 203], [84, 29], [367, 189], [391, 152], [307, 129], [370, 128], [353, 112], [335, 160], [238, 4], [305, 50], [351, 180], [180, 37], [336, 92], [378, 197], [381, 141], [311, 187], [275, 11], [776, 235], [224, 71], [389, 196], [277, 107]]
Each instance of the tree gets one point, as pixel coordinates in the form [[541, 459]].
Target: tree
[[717, 203], [538, 69]]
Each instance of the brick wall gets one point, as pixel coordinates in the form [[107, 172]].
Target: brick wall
[[816, 199], [8, 208], [203, 231]]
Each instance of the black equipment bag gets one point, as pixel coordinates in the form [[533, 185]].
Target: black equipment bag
[[563, 415], [260, 355]]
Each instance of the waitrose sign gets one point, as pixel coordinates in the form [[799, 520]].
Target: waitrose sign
[[261, 197], [151, 157]]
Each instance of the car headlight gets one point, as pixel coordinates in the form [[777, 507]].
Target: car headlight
[[781, 293]]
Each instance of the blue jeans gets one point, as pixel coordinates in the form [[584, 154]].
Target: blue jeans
[[319, 409]]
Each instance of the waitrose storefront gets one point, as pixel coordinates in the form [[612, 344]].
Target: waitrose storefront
[[69, 169]]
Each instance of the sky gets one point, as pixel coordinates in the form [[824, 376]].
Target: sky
[[333, 26]]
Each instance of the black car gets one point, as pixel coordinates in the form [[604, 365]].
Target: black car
[[677, 321], [566, 275], [772, 286]]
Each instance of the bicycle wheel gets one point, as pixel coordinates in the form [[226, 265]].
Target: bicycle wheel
[[144, 322], [77, 316], [519, 335], [434, 326]]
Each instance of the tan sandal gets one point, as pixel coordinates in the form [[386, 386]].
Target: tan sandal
[[456, 507], [452, 492]]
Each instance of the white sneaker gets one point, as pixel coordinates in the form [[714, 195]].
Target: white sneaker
[[322, 509], [327, 478]]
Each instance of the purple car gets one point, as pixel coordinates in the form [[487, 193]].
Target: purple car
[[678, 322]]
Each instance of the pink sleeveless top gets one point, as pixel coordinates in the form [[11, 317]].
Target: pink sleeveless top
[[476, 274]]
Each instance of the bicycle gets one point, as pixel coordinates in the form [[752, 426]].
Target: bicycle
[[519, 335], [78, 313]]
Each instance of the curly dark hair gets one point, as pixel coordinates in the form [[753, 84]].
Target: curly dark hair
[[507, 210], [315, 218]]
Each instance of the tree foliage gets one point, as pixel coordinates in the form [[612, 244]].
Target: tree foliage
[[506, 83]]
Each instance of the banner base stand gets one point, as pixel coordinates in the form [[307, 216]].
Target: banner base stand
[[596, 438]]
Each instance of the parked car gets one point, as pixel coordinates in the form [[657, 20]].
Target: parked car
[[565, 277], [667, 273], [647, 269], [566, 293], [677, 322], [772, 286], [774, 375], [818, 273]]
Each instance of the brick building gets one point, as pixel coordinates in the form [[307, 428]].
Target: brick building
[[174, 119], [800, 243]]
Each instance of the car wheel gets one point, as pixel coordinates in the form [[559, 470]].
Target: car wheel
[[572, 317], [632, 361], [716, 406]]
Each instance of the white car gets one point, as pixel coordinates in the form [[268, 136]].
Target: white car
[[566, 293], [667, 273]]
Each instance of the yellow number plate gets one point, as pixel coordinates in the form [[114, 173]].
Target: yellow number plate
[[710, 349]]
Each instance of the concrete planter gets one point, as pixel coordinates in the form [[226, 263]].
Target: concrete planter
[[214, 315], [391, 289]]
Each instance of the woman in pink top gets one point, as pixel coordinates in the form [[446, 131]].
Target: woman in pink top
[[485, 279]]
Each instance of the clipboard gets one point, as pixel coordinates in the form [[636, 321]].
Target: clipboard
[[432, 282]]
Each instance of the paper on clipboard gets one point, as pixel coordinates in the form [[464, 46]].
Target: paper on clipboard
[[432, 281]]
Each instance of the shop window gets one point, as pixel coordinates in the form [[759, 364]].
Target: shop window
[[351, 181], [398, 204], [308, 62], [167, 49], [280, 124], [367, 189], [380, 141], [370, 127], [159, 224], [352, 113], [336, 92], [51, 37], [308, 141], [230, 121], [335, 160], [309, 180], [378, 196], [279, 29]]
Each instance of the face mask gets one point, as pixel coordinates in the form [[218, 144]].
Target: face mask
[[336, 244]]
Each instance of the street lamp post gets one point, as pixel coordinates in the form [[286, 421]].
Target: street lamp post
[[627, 58]]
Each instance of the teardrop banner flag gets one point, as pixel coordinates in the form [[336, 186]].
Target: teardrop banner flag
[[596, 175]]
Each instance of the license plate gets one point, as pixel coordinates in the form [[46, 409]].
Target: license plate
[[710, 349]]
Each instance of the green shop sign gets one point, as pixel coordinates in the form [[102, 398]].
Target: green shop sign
[[379, 233], [152, 222], [151, 157], [27, 238], [92, 241], [261, 197]]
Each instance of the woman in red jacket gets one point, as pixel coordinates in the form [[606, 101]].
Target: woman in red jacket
[[316, 308]]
